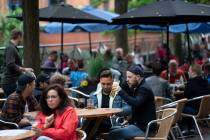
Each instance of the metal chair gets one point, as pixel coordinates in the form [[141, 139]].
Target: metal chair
[[179, 105], [81, 134], [160, 101], [8, 125], [203, 113], [77, 91], [165, 124]]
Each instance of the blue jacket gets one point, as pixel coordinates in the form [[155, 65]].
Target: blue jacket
[[115, 101]]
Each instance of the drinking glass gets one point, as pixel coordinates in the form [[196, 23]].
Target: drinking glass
[[90, 104], [81, 102]]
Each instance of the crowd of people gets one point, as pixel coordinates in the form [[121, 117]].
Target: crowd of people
[[123, 85]]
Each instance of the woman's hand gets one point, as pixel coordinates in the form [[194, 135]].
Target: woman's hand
[[37, 130], [49, 121]]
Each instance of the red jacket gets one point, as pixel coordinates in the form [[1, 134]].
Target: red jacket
[[173, 78], [65, 125]]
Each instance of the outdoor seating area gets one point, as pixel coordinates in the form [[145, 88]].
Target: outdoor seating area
[[142, 73]]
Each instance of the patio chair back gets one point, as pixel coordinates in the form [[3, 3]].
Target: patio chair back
[[81, 134], [8, 125], [204, 109], [159, 101], [166, 122], [179, 106]]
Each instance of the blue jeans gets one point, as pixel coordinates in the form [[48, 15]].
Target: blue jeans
[[125, 133], [43, 138]]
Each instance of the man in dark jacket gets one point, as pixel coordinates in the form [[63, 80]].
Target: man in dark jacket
[[196, 86], [140, 97], [12, 63]]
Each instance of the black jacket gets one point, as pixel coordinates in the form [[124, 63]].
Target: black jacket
[[197, 86], [142, 102]]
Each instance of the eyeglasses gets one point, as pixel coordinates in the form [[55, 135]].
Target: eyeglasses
[[51, 97]]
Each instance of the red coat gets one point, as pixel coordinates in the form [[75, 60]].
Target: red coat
[[173, 78], [65, 125]]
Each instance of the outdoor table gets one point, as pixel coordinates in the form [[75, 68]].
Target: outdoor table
[[16, 134], [98, 114]]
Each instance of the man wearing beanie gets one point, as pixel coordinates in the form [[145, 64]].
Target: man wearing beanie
[[16, 103], [140, 97]]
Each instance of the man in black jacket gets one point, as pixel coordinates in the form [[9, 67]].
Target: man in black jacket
[[195, 87], [12, 63], [140, 97]]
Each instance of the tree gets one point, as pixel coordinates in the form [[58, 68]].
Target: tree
[[31, 34], [121, 36]]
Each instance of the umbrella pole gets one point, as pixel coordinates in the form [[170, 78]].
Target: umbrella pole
[[168, 51], [61, 55], [90, 45], [188, 44]]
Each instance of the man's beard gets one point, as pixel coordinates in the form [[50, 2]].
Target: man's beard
[[134, 85]]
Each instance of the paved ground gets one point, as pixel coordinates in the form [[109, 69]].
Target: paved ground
[[205, 132]]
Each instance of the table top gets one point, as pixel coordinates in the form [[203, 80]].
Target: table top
[[88, 113], [97, 112], [16, 134]]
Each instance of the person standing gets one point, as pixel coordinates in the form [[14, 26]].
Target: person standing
[[140, 97], [12, 63]]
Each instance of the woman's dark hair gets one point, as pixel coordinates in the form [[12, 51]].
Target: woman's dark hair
[[65, 101]]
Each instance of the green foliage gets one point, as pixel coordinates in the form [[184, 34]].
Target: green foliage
[[95, 64], [7, 25], [200, 1], [96, 3], [138, 3]]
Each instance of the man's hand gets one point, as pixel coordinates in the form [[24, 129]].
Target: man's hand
[[24, 122]]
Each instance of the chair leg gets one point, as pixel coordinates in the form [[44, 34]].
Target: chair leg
[[180, 132], [197, 127], [172, 134]]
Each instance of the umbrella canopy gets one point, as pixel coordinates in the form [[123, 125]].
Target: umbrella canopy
[[166, 12], [55, 27], [67, 13]]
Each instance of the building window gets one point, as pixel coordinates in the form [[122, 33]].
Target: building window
[[53, 2], [13, 4]]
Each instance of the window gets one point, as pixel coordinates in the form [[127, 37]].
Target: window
[[13, 4], [52, 2]]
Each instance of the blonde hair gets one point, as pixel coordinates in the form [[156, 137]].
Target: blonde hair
[[57, 78]]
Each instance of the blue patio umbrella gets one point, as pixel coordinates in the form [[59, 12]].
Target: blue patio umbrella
[[55, 27]]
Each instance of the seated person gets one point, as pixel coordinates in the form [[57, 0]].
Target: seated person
[[58, 78], [196, 86], [140, 97], [107, 97], [58, 119], [42, 82], [16, 102], [174, 73], [159, 86]]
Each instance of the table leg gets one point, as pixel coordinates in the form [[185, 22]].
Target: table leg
[[95, 127]]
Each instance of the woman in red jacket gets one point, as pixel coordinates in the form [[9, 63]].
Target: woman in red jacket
[[58, 119]]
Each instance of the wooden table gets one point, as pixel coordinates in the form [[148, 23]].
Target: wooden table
[[16, 134], [98, 114]]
